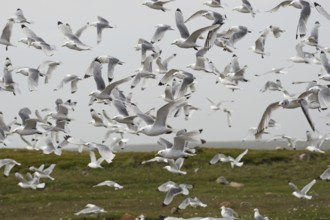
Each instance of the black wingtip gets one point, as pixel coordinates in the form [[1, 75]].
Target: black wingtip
[[23, 26], [59, 22], [178, 9], [97, 60], [316, 4], [203, 141], [200, 130]]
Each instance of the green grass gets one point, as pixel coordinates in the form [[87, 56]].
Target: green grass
[[265, 175]]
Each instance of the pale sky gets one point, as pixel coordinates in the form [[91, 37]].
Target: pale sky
[[132, 21]]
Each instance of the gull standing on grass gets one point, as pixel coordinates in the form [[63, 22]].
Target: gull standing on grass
[[258, 216], [230, 213], [302, 194]]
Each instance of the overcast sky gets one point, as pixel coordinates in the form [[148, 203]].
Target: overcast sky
[[132, 21]]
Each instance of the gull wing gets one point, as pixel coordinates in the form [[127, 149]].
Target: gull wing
[[265, 118], [304, 15], [167, 186], [195, 15], [7, 30], [325, 175], [304, 108], [308, 186], [217, 157], [107, 90], [165, 143], [282, 4], [293, 187], [239, 157], [195, 35], [185, 203], [321, 10], [184, 33], [8, 168]]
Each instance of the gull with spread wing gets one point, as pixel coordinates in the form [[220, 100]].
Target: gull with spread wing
[[8, 164], [72, 40], [188, 40], [100, 24], [233, 161], [302, 194]]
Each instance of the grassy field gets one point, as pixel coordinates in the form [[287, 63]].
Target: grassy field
[[265, 176]]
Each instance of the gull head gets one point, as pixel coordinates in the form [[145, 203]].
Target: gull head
[[161, 153], [208, 15], [176, 42], [94, 93], [11, 19], [147, 3]]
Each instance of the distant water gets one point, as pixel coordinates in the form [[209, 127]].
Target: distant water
[[256, 145]]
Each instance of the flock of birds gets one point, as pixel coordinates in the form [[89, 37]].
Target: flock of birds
[[179, 85]]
